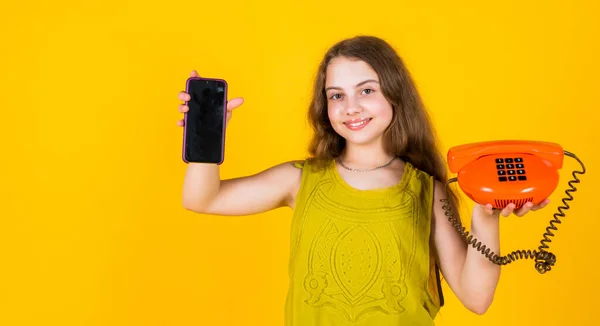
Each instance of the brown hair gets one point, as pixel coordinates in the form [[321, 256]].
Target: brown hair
[[410, 135]]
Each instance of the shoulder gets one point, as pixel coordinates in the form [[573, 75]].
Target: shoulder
[[299, 164], [300, 170], [419, 180], [436, 187], [284, 178], [284, 175], [312, 165], [431, 191], [439, 189], [289, 170]]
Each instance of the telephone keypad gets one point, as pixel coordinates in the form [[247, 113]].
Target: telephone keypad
[[514, 173]]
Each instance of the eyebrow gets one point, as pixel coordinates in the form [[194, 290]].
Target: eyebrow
[[357, 85]]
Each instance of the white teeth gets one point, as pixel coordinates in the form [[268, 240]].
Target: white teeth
[[359, 123]]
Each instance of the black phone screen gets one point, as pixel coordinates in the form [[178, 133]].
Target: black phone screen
[[204, 121]]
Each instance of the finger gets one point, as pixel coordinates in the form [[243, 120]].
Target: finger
[[489, 209], [194, 73], [180, 123], [183, 96], [541, 205], [183, 108], [523, 210], [508, 210], [234, 103]]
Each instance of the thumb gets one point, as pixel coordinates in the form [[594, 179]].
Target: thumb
[[234, 103]]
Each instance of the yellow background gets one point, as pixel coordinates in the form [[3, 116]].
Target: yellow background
[[92, 231]]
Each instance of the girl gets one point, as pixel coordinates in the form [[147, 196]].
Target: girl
[[368, 230]]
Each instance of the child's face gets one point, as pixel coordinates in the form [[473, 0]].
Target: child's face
[[357, 109]]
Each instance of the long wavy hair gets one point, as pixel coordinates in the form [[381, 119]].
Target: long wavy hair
[[410, 134]]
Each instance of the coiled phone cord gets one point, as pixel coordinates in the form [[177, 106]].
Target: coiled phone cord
[[544, 260]]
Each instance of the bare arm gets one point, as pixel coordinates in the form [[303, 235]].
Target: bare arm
[[470, 275], [204, 191]]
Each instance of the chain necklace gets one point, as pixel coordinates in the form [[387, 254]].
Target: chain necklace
[[339, 160]]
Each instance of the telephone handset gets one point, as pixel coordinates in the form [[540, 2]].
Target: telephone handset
[[510, 171]]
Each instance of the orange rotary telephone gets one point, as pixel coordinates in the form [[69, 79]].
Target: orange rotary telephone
[[510, 171]]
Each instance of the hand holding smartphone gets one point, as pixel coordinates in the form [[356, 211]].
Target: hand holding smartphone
[[206, 114]]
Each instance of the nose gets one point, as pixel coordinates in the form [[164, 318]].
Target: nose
[[352, 106]]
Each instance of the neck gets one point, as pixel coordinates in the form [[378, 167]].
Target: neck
[[364, 157]]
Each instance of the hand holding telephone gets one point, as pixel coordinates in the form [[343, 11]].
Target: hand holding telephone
[[205, 121], [510, 171]]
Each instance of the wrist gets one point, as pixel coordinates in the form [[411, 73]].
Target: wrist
[[481, 214], [485, 226]]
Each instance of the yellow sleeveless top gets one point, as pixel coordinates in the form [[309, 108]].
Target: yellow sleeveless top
[[362, 257]]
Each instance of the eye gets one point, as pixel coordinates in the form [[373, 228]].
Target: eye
[[333, 97], [368, 90]]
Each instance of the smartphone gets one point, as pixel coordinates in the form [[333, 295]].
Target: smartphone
[[205, 121]]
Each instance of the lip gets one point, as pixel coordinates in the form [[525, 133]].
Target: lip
[[357, 124]]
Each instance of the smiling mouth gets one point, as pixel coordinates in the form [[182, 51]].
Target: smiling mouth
[[357, 124]]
